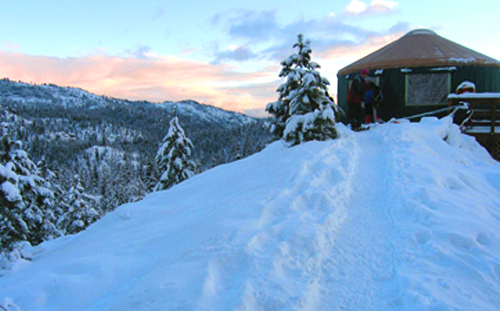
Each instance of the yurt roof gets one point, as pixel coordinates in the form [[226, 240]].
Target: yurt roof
[[420, 48]]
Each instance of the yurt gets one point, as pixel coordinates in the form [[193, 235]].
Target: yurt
[[417, 72]]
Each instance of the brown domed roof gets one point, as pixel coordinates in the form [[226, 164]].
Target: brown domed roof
[[420, 48]]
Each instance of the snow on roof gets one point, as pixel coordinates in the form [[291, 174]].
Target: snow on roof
[[449, 68], [468, 60], [420, 31]]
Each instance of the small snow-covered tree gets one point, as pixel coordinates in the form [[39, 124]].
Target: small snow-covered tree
[[174, 157], [80, 209], [53, 208], [304, 111]]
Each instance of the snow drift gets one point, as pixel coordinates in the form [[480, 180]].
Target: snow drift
[[400, 217]]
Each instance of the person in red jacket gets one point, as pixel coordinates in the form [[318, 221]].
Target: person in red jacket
[[356, 97]]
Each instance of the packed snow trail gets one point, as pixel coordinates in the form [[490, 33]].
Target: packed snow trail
[[333, 207], [401, 217]]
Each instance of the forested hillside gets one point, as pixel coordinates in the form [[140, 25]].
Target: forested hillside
[[108, 145]]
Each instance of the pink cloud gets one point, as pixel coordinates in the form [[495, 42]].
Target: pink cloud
[[154, 78]]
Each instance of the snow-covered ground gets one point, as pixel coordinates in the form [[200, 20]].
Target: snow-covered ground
[[401, 217]]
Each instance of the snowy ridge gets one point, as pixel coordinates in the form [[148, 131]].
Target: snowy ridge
[[400, 217], [47, 94], [76, 97]]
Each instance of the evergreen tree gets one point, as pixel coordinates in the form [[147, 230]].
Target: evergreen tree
[[55, 209], [174, 157], [26, 204], [80, 209], [304, 110], [13, 228], [135, 188]]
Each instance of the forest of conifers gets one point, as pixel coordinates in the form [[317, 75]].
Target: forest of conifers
[[109, 144]]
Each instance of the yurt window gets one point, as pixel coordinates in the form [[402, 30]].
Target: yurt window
[[427, 88]]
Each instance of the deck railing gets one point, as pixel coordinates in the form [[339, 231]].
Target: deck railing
[[484, 123]]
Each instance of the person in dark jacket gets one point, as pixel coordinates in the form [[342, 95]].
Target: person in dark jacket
[[356, 98], [372, 100]]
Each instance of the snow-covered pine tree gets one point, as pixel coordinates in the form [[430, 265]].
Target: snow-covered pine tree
[[12, 225], [80, 209], [54, 209], [304, 110], [26, 204], [174, 157]]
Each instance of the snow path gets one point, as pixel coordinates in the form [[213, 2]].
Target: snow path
[[322, 241], [363, 241]]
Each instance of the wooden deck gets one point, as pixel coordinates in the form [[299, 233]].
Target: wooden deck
[[485, 121]]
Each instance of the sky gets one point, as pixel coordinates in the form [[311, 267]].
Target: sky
[[333, 225], [224, 53]]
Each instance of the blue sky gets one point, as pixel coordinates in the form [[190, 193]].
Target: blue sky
[[223, 53]]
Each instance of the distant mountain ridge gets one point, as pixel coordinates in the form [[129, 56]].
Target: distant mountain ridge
[[66, 96]]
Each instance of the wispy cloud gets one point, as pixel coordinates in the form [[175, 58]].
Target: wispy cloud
[[256, 24], [362, 46], [259, 36], [140, 52], [357, 7], [237, 53], [248, 24]]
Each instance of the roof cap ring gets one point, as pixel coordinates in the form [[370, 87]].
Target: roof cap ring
[[421, 31]]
